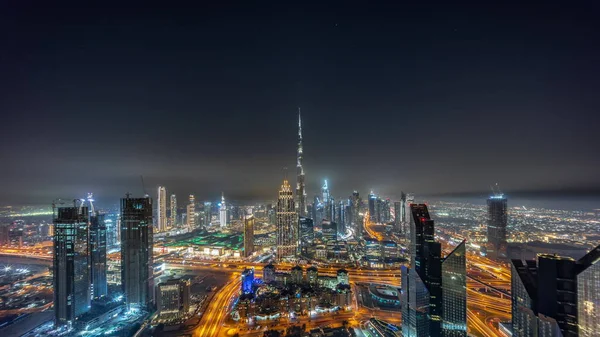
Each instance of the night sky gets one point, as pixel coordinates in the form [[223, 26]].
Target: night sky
[[422, 98]]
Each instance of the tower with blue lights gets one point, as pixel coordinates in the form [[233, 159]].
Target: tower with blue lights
[[247, 281]]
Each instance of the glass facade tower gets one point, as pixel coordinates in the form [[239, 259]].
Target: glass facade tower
[[98, 256], [70, 263], [454, 293]]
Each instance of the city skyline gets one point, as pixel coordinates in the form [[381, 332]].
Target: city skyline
[[361, 92]]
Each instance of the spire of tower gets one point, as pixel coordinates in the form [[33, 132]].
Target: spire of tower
[[299, 124]]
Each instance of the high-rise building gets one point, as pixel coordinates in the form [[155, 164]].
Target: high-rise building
[[223, 212], [325, 192], [422, 283], [71, 269], [398, 216], [307, 234], [207, 212], [161, 212], [341, 218], [136, 251], [588, 294], [173, 297], [247, 280], [4, 235], [173, 212], [454, 293], [497, 219], [372, 209], [300, 186], [355, 204], [248, 235], [98, 255], [287, 223], [329, 230], [191, 213], [558, 296]]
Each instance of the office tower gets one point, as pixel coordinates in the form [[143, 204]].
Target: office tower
[[312, 275], [397, 216], [454, 293], [355, 203], [300, 187], [287, 223], [269, 273], [191, 213], [422, 283], [588, 294], [558, 296], [173, 212], [372, 210], [248, 235], [223, 212], [496, 226], [247, 280], [98, 255], [341, 218], [307, 234], [207, 212], [136, 251], [173, 297], [161, 213], [329, 230], [325, 191], [71, 263]]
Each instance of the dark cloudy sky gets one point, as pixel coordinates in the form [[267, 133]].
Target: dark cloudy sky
[[426, 98]]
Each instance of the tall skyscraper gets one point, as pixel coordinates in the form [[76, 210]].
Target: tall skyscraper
[[372, 210], [71, 270], [136, 251], [223, 212], [161, 215], [191, 213], [356, 203], [398, 216], [287, 223], [300, 186], [173, 212], [588, 294], [248, 235], [454, 293], [422, 284], [497, 219], [307, 234], [98, 255], [207, 212], [558, 296]]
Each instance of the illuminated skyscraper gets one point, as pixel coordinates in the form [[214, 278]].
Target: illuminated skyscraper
[[223, 212], [398, 216], [372, 210], [161, 215], [287, 223], [422, 283], [173, 212], [191, 213], [207, 212], [98, 256], [136, 252], [248, 235], [496, 226], [307, 234], [588, 294], [356, 203], [71, 269], [558, 296], [300, 186], [454, 293], [247, 280]]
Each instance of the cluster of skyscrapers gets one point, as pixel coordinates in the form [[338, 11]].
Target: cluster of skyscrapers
[[79, 261]]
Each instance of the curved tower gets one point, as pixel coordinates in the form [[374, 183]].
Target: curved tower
[[300, 188]]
